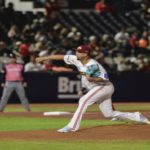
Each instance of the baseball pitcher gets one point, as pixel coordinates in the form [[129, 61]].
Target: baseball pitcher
[[99, 89]]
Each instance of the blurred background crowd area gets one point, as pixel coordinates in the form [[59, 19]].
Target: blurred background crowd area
[[117, 33]]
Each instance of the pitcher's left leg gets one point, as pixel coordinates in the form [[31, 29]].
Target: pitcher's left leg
[[106, 108]]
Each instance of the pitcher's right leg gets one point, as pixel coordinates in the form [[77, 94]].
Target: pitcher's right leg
[[84, 102]]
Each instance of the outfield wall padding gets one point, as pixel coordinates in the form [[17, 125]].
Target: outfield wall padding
[[63, 87]]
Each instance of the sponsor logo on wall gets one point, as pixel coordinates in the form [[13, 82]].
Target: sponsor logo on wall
[[68, 88]]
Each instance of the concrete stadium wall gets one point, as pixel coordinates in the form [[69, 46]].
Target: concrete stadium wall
[[23, 6]]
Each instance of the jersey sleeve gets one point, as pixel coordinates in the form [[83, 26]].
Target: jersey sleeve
[[95, 70], [70, 59]]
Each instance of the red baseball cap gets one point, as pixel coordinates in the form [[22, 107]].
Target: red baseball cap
[[83, 49]]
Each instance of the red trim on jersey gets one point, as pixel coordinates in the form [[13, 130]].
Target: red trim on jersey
[[84, 105]]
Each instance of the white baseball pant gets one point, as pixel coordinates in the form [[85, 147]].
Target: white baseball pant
[[102, 96]]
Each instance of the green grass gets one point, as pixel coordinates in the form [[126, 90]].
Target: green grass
[[68, 145], [41, 109], [28, 123], [72, 108], [13, 123], [132, 107], [25, 123]]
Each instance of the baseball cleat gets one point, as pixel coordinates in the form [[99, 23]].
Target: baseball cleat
[[147, 122], [65, 130], [143, 119]]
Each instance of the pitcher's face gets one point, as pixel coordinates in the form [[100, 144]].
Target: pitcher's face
[[80, 56]]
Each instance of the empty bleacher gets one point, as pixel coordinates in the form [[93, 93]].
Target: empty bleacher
[[87, 22], [90, 22]]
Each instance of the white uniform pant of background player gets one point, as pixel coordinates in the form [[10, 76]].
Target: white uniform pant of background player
[[7, 91], [102, 96]]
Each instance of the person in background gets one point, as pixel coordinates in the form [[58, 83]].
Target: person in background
[[51, 8], [33, 66], [13, 33], [101, 6], [24, 51], [13, 81]]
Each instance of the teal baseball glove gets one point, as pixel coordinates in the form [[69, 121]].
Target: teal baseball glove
[[93, 71]]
